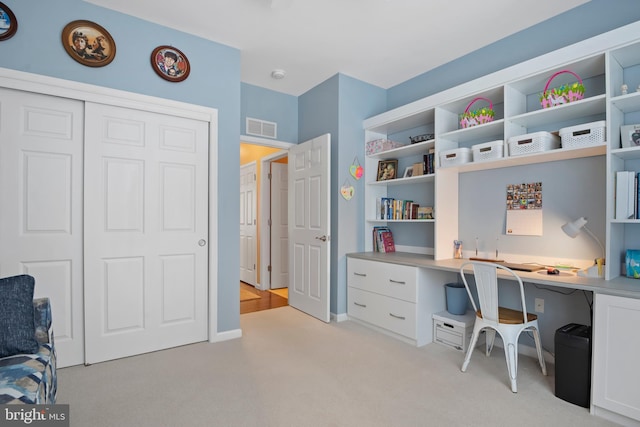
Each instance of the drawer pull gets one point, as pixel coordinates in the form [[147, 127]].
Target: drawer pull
[[398, 282], [397, 317], [360, 274], [360, 305]]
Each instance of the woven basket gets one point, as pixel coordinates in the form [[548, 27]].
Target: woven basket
[[476, 117], [563, 94]]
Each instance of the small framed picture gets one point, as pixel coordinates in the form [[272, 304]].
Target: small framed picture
[[8, 22], [387, 169], [170, 64], [88, 43], [408, 172]]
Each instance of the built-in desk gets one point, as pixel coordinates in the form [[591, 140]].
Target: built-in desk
[[615, 385]]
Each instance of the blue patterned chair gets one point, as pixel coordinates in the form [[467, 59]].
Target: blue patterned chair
[[30, 377]]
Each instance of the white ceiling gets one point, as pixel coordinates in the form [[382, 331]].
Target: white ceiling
[[382, 42]]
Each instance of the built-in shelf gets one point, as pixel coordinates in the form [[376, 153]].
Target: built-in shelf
[[627, 153], [414, 221], [543, 157], [405, 151], [561, 113], [405, 181]]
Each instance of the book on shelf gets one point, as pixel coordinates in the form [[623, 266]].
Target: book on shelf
[[387, 242], [425, 212], [383, 239], [427, 162], [626, 195], [388, 208]]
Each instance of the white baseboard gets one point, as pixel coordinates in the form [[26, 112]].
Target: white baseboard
[[226, 335], [339, 317]]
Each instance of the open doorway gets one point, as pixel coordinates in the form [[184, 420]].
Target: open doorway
[[264, 293]]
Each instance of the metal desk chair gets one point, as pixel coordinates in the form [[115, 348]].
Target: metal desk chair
[[506, 322]]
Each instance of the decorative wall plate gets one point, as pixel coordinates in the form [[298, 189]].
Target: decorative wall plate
[[170, 63], [8, 22], [88, 43]]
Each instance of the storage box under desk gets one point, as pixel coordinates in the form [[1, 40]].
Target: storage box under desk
[[453, 330]]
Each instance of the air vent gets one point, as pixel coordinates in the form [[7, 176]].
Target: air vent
[[262, 128]]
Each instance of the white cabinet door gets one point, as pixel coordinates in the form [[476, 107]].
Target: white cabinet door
[[146, 225], [41, 209], [616, 377]]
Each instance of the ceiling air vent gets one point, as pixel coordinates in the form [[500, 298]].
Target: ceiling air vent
[[262, 128]]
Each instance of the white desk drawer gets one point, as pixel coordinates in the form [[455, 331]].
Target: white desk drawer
[[385, 312], [397, 281]]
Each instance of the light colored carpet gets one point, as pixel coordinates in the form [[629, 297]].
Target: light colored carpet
[[283, 292], [246, 295], [289, 369]]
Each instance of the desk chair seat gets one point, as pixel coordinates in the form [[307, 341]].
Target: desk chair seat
[[491, 317]]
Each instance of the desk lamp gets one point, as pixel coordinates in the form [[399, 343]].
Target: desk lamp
[[572, 229]]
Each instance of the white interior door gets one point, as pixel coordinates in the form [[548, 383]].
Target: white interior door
[[41, 206], [279, 226], [309, 225], [248, 223], [146, 196]]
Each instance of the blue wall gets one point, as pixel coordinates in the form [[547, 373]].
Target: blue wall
[[214, 82], [582, 22], [337, 105], [264, 104]]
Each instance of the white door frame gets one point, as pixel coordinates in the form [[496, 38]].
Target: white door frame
[[265, 202], [29, 82]]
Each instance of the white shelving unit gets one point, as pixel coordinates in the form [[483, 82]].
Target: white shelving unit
[[517, 112], [604, 63]]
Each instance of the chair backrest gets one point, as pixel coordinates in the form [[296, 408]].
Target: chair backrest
[[486, 278]]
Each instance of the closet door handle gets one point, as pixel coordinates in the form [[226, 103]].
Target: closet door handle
[[397, 317], [399, 282]]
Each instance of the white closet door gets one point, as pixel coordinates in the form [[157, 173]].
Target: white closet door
[[146, 197], [41, 206]]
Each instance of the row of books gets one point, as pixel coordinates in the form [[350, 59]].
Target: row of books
[[427, 162], [388, 208], [383, 240], [627, 195]]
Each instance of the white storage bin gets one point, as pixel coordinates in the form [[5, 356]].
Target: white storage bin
[[455, 157], [488, 151], [583, 135], [453, 330], [380, 145], [530, 143]]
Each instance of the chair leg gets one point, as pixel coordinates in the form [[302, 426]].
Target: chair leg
[[536, 338], [490, 337], [472, 345], [511, 354]]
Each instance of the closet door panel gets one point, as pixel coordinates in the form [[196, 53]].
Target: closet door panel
[[41, 150], [146, 225]]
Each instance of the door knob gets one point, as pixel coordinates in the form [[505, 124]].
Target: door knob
[[323, 238], [202, 242]]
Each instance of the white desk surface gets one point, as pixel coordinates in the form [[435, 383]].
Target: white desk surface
[[620, 286]]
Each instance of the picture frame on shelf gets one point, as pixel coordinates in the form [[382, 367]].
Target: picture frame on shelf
[[88, 43], [170, 63], [387, 170], [408, 172], [8, 23]]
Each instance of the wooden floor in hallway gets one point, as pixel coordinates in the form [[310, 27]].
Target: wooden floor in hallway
[[266, 301]]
